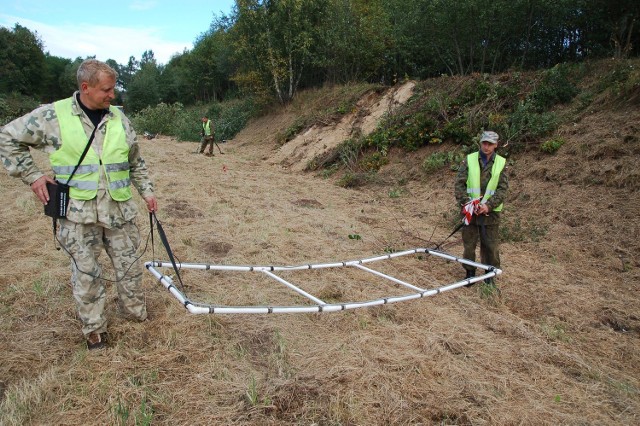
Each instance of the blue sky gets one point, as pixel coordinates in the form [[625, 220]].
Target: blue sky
[[114, 29]]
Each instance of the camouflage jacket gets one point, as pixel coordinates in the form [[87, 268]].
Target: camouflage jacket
[[485, 175], [40, 130]]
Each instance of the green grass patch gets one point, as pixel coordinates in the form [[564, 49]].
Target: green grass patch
[[552, 146]]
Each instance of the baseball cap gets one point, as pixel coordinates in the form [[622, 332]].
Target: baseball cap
[[491, 137]]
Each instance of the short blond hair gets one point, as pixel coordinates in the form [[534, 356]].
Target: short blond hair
[[90, 69]]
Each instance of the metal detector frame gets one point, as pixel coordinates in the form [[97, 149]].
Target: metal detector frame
[[318, 304]]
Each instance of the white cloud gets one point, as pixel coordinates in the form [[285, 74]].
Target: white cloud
[[105, 42], [142, 5]]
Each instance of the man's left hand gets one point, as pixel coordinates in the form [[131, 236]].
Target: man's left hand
[[152, 203], [482, 209]]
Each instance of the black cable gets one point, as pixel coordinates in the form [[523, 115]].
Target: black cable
[[437, 247], [99, 277], [167, 247]]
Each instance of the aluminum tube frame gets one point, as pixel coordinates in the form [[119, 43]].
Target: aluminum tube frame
[[201, 308], [395, 280], [294, 288]]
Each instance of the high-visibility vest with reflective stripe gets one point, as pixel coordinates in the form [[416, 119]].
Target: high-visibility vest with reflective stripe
[[473, 178], [207, 128], [114, 159]]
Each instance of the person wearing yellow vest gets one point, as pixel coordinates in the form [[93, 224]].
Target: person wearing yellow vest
[[482, 176], [208, 136], [101, 212]]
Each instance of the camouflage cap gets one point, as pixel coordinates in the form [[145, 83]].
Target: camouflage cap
[[491, 137]]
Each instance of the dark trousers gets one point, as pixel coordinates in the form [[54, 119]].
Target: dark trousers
[[206, 140], [489, 236]]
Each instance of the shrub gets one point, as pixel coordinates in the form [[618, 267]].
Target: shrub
[[555, 88], [525, 123], [14, 105], [438, 160], [434, 162], [233, 116], [355, 179], [188, 125], [373, 161], [456, 130], [349, 152], [174, 120], [552, 145], [475, 91], [351, 180], [623, 82], [617, 77], [161, 118]]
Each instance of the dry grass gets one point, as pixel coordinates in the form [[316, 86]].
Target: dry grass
[[560, 345]]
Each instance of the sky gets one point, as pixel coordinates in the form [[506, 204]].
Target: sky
[[114, 29]]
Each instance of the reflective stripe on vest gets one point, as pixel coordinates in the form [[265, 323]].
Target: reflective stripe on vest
[[473, 178], [207, 128], [115, 156]]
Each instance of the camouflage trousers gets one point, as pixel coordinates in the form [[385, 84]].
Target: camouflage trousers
[[207, 140], [489, 236], [84, 244]]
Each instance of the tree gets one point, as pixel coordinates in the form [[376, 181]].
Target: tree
[[273, 42], [210, 61], [127, 72], [55, 68], [21, 61], [143, 90], [68, 80], [175, 81], [148, 58], [621, 20], [354, 40]]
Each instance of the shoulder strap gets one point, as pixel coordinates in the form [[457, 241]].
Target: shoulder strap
[[84, 153]]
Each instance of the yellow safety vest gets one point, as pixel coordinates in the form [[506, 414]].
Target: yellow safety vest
[[114, 159], [207, 128], [473, 178]]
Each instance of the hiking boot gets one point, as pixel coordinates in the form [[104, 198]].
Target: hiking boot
[[470, 274], [96, 341]]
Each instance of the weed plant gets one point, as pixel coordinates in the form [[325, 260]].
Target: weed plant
[[438, 160], [514, 230], [552, 146]]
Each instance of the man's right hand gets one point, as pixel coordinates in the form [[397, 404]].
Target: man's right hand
[[39, 187]]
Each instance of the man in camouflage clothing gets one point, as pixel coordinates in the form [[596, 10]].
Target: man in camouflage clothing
[[482, 176], [101, 211]]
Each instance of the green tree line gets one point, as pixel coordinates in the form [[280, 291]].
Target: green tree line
[[271, 49]]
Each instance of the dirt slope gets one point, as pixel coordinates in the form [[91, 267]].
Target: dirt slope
[[559, 346], [321, 138]]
